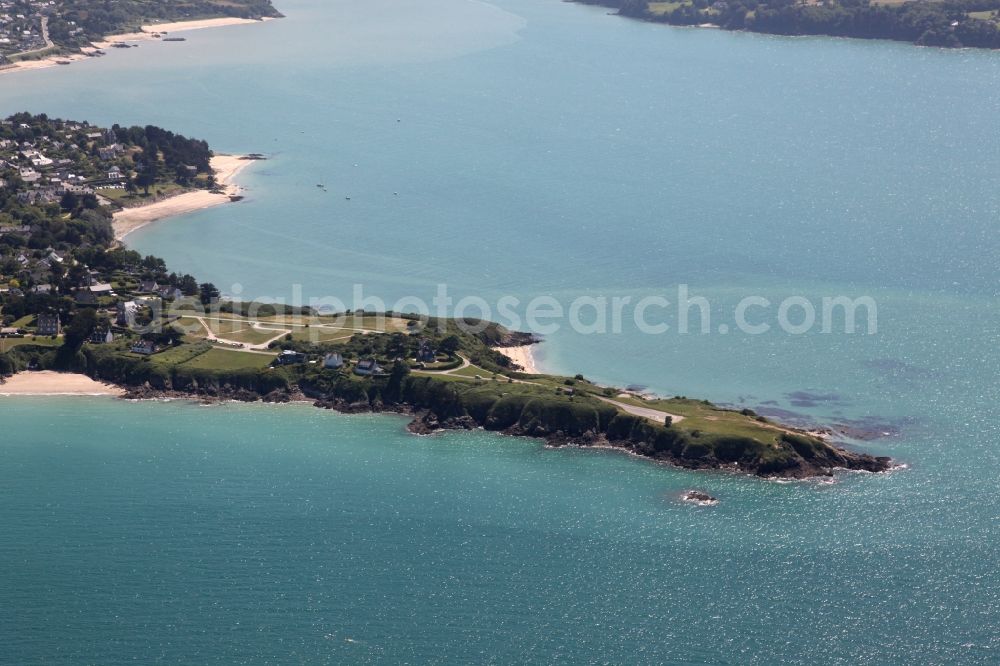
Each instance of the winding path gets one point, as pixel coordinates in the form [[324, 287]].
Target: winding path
[[244, 346]]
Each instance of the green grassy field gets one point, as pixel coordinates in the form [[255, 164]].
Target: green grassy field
[[303, 328], [348, 323], [660, 8], [320, 334], [120, 197], [6, 344], [472, 371], [239, 332], [182, 354], [224, 359], [988, 15], [708, 418]]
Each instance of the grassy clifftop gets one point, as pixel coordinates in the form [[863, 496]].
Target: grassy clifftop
[[468, 384]]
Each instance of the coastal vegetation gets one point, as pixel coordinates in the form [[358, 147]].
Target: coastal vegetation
[[38, 28], [943, 23], [73, 300]]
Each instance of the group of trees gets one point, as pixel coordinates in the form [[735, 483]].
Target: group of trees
[[85, 226], [925, 22], [167, 152]]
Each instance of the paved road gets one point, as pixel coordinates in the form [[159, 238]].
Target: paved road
[[655, 415], [45, 36]]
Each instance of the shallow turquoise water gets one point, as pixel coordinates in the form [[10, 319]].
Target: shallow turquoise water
[[254, 534], [541, 148]]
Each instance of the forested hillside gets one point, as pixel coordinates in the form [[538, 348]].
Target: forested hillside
[[951, 23]]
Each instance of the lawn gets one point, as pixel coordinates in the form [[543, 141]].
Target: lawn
[[709, 418], [661, 8], [160, 189], [120, 197], [6, 344], [445, 378], [241, 330], [224, 359], [348, 322], [319, 334], [472, 371], [193, 330], [181, 354]]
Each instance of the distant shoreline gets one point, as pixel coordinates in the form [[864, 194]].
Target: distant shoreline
[[150, 32], [226, 168], [146, 33]]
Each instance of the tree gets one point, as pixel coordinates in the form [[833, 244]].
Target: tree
[[154, 264], [450, 345], [79, 329], [69, 201], [208, 292], [397, 346], [394, 388], [188, 285], [146, 179], [149, 170], [169, 336]]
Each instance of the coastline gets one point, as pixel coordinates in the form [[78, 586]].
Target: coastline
[[226, 168], [146, 33], [639, 441], [150, 32], [524, 356], [45, 63], [48, 383]]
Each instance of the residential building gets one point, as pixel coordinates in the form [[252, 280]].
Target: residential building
[[48, 324]]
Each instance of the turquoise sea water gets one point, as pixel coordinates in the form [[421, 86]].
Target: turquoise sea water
[[538, 148]]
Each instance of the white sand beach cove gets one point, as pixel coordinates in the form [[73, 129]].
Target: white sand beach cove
[[55, 383], [226, 168], [523, 356]]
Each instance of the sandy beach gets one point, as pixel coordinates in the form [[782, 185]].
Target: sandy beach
[[226, 168], [523, 356], [55, 383], [147, 33], [150, 32], [44, 63]]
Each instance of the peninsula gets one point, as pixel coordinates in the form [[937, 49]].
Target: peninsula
[[942, 23], [44, 33], [73, 300]]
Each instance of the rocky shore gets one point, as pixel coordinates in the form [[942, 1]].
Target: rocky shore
[[823, 462], [561, 413]]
